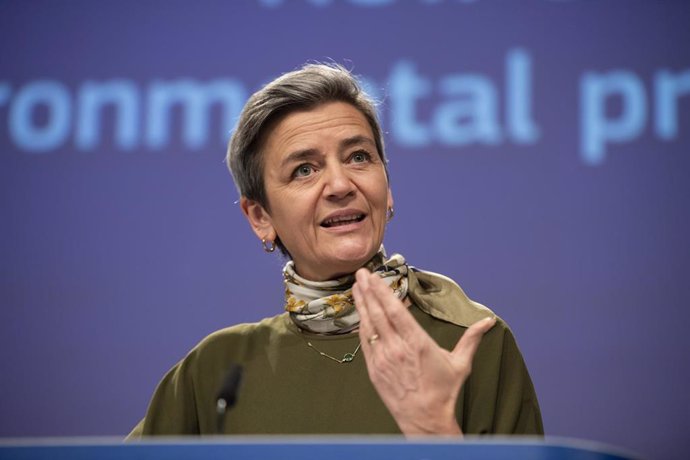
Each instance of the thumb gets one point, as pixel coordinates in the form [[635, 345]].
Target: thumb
[[469, 342]]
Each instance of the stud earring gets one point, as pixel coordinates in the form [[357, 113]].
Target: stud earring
[[389, 214]]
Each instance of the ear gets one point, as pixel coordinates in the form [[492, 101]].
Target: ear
[[389, 203], [259, 219]]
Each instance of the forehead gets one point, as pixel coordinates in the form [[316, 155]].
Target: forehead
[[331, 121]]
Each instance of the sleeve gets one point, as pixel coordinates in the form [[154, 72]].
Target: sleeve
[[499, 397], [172, 410], [517, 408], [136, 432]]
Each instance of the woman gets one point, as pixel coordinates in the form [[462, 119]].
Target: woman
[[368, 344]]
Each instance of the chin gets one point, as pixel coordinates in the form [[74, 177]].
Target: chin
[[352, 258]]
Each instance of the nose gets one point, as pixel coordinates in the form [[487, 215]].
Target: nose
[[338, 184]]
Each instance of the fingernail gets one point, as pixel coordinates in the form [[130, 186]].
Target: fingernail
[[358, 275]]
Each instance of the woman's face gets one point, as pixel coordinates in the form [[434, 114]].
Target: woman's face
[[326, 189]]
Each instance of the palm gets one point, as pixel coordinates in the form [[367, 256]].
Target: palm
[[417, 380]]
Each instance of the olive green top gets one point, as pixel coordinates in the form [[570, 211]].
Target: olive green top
[[289, 388]]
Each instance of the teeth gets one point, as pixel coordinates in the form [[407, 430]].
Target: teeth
[[337, 220]]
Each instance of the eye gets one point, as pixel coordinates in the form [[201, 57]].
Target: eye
[[303, 170], [360, 157]]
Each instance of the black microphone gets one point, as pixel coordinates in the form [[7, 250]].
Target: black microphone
[[227, 396]]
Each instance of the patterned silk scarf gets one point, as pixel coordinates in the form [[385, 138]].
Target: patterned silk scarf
[[327, 307]]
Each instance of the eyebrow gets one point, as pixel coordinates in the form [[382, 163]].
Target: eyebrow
[[355, 140], [301, 155]]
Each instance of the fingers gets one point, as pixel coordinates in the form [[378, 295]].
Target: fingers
[[366, 330], [469, 342], [410, 372], [372, 303], [386, 306], [391, 366], [368, 326]]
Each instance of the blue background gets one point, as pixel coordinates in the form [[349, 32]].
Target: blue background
[[121, 250]]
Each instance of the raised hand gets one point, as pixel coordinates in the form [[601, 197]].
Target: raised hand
[[417, 380]]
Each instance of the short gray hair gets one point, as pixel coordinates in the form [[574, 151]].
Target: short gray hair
[[302, 89]]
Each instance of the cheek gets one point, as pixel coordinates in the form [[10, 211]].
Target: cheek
[[382, 199], [296, 219]]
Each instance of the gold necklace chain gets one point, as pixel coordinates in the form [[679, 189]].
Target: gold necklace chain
[[347, 357]]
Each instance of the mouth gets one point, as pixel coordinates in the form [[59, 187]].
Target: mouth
[[339, 221]]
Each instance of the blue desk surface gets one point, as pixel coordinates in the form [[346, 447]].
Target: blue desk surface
[[282, 448]]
